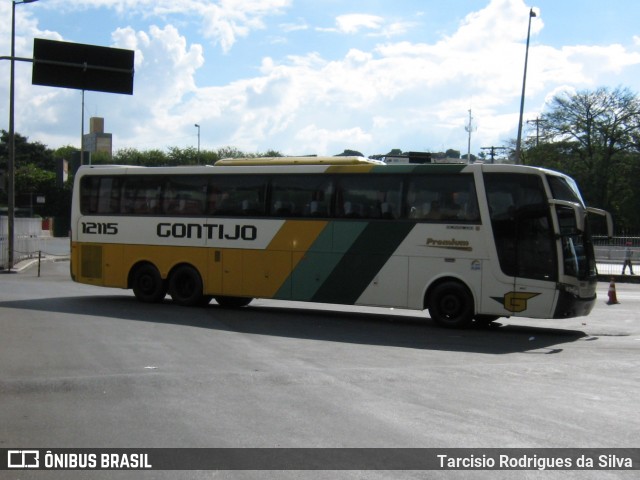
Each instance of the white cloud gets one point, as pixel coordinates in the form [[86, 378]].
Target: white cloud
[[371, 25], [355, 22], [293, 27], [404, 94], [222, 22], [312, 139]]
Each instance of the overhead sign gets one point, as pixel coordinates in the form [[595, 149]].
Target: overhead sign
[[83, 67]]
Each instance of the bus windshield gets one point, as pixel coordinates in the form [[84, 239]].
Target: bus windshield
[[577, 249]]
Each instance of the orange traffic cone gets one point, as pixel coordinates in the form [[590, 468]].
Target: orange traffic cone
[[613, 299]]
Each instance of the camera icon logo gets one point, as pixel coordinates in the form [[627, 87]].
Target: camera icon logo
[[23, 459]]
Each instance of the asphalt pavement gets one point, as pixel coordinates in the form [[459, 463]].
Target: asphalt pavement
[[83, 366]]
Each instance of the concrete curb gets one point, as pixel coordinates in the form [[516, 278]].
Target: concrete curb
[[23, 265]]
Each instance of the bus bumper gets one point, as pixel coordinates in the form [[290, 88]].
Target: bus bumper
[[570, 305]]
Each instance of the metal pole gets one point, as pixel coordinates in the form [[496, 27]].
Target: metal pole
[[198, 127], [11, 204], [469, 128], [524, 82], [11, 168], [82, 131]]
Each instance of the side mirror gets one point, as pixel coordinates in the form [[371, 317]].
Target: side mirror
[[578, 211], [607, 215]]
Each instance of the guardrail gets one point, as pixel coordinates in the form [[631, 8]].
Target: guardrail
[[611, 253], [28, 239]]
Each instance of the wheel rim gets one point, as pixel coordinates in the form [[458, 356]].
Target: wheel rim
[[147, 284], [450, 306], [186, 286]]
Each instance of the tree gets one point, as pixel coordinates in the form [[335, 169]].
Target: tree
[[26, 152], [350, 153], [451, 153], [132, 156], [593, 136], [35, 175]]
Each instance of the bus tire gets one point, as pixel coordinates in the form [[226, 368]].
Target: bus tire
[[450, 305], [147, 284], [185, 286], [233, 302]]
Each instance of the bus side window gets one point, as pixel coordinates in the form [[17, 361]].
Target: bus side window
[[89, 189], [236, 195], [522, 231], [300, 195], [100, 195], [141, 195], [110, 195], [444, 197], [184, 195], [371, 196]]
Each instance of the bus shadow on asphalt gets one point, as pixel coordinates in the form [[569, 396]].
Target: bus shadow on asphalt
[[333, 325]]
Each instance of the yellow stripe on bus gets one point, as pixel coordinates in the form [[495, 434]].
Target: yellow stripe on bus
[[265, 271], [297, 235]]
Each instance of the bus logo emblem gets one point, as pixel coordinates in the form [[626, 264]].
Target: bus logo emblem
[[451, 244], [515, 301]]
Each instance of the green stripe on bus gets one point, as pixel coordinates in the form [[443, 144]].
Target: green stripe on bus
[[320, 260], [361, 263]]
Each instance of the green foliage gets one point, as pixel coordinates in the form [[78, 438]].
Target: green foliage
[[176, 156], [593, 136], [26, 152], [350, 153], [451, 153], [65, 152]]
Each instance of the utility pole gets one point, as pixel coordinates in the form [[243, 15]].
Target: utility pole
[[518, 153], [537, 121], [469, 128], [11, 164], [198, 127], [492, 151]]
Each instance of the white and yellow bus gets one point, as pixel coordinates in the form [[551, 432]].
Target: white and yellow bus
[[465, 242]]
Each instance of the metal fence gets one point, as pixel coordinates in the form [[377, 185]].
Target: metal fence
[[612, 252], [28, 239]]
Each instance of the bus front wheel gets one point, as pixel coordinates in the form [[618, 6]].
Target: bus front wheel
[[185, 286], [451, 305], [147, 284]]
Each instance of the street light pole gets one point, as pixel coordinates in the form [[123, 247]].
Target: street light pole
[[198, 127], [11, 168], [524, 83]]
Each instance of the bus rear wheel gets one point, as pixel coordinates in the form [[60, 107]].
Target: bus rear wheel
[[185, 286], [451, 305], [148, 285]]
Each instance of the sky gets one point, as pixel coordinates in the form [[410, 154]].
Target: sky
[[320, 76]]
